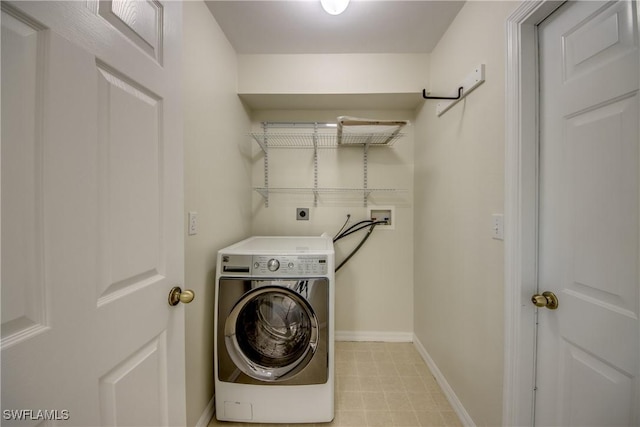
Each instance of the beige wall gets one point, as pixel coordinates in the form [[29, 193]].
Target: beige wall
[[459, 172], [332, 73], [217, 183], [374, 290], [453, 167]]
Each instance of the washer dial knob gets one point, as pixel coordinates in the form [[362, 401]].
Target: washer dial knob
[[273, 264]]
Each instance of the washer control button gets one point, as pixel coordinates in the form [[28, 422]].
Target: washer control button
[[290, 265], [273, 264]]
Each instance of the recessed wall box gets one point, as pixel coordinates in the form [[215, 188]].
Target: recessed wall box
[[302, 214], [383, 213]]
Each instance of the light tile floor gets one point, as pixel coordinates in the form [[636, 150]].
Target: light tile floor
[[382, 384]]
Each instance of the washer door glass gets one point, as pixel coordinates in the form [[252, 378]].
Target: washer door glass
[[271, 333]]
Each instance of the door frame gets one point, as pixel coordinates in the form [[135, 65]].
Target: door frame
[[521, 209]]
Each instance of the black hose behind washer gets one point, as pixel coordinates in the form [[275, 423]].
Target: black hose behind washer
[[373, 225]]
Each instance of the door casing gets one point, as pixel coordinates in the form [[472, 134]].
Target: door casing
[[521, 200]]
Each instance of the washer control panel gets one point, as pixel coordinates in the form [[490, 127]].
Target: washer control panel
[[275, 265]]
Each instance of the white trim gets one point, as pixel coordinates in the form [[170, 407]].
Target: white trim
[[451, 396], [374, 336], [208, 414], [521, 191]]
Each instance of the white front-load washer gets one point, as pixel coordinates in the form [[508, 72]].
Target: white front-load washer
[[274, 332]]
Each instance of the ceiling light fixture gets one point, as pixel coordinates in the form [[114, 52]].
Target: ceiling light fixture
[[334, 7]]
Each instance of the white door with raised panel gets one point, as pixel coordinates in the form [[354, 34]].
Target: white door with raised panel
[[91, 210], [588, 349]]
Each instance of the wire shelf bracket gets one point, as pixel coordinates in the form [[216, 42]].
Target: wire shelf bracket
[[315, 165], [472, 81], [265, 148]]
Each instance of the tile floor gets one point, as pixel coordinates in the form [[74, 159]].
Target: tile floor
[[382, 384]]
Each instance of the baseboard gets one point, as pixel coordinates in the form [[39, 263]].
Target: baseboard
[[374, 336], [207, 415], [462, 413]]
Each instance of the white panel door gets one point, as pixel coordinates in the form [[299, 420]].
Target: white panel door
[[588, 350], [92, 200]]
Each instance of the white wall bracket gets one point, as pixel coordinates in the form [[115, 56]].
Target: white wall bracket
[[265, 148], [472, 81]]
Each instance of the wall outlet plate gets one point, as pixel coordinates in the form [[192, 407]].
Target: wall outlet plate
[[302, 214], [193, 224], [497, 227]]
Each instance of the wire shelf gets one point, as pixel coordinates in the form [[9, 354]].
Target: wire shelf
[[322, 139], [370, 139], [314, 135], [298, 190]]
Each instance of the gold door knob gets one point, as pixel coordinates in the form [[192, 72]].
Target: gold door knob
[[547, 299], [177, 295]]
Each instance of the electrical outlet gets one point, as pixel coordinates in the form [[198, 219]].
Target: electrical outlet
[[302, 214], [193, 223], [497, 226]]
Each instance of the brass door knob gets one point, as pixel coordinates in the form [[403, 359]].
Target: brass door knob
[[547, 299], [177, 295]]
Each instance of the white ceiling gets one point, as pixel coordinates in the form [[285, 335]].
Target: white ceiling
[[301, 26]]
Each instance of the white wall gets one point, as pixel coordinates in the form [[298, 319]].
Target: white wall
[[332, 73], [217, 183], [455, 306], [374, 290], [459, 172]]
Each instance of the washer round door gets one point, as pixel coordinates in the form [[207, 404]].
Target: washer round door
[[271, 333]]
